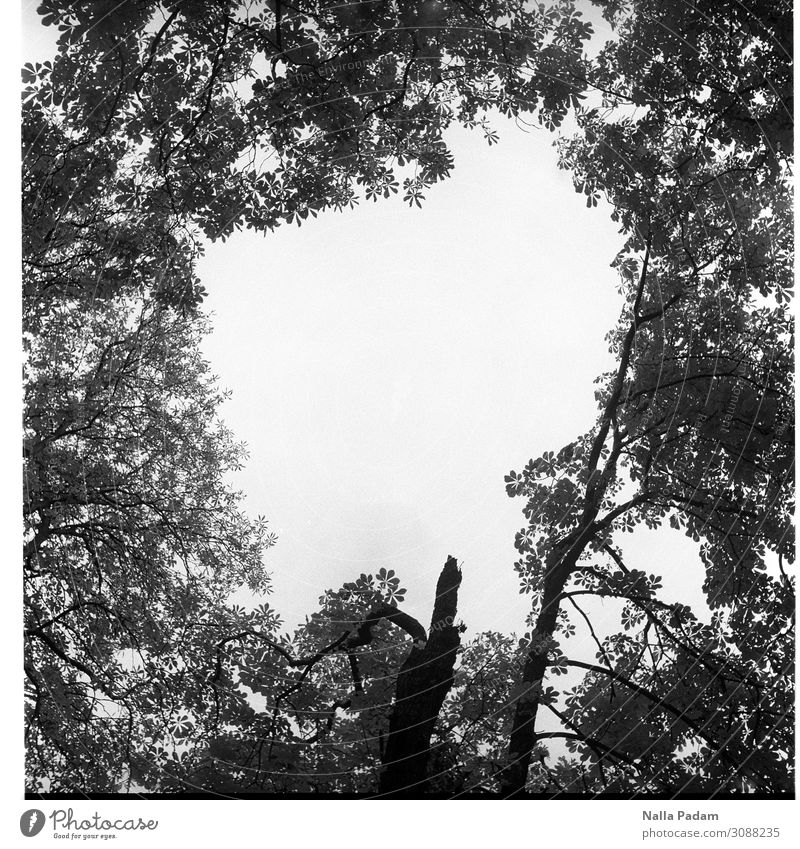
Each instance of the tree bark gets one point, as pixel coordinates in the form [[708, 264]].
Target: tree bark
[[422, 686], [523, 732]]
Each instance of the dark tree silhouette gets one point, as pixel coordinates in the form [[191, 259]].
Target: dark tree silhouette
[[422, 685]]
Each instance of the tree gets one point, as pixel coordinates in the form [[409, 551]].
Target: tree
[[350, 702], [698, 412], [132, 539]]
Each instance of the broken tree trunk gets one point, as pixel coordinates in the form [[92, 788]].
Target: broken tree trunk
[[422, 686]]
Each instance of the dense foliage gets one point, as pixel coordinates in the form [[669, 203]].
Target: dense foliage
[[161, 124]]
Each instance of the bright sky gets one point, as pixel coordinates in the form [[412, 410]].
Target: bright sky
[[390, 365]]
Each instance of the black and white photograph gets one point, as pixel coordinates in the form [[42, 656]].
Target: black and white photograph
[[408, 413]]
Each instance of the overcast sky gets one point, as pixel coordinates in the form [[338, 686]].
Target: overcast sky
[[389, 365]]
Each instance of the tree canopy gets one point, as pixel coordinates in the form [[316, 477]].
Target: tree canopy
[[159, 125]]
